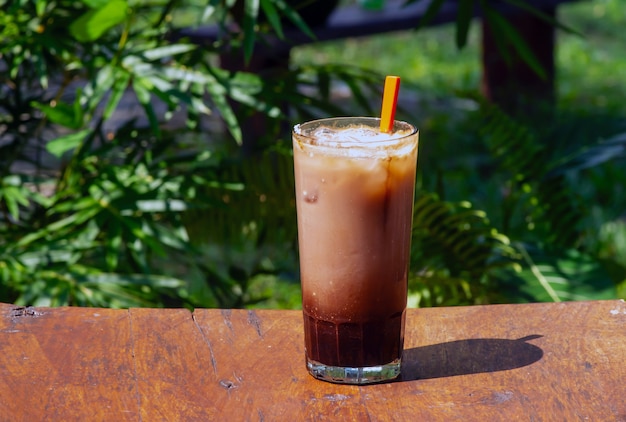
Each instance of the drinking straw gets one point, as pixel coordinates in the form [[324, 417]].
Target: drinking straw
[[390, 100]]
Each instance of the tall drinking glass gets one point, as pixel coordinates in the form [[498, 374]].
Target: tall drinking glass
[[354, 198]]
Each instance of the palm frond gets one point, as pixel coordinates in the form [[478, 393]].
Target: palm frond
[[553, 205], [454, 251]]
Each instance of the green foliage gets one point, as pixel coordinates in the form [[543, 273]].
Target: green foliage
[[456, 254], [535, 182], [96, 22], [568, 275], [261, 195], [116, 207], [508, 40], [544, 212]]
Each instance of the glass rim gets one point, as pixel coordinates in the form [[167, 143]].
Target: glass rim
[[373, 122]]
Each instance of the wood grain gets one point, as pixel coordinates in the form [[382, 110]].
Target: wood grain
[[65, 365], [539, 362]]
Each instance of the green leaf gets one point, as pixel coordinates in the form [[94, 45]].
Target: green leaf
[[174, 238], [75, 205], [61, 145], [99, 87], [209, 11], [457, 238], [251, 13], [119, 88], [142, 87], [592, 156], [564, 276], [93, 24], [95, 4], [358, 94], [56, 227], [502, 28], [273, 17], [552, 204], [168, 51], [12, 196], [433, 8], [160, 205], [136, 279], [62, 114], [230, 118], [144, 233], [40, 6], [15, 192], [113, 245], [245, 87], [294, 17], [463, 19], [522, 4]]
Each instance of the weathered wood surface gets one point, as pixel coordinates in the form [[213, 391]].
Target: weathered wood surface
[[539, 362]]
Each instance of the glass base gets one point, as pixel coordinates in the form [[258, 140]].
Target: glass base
[[351, 375]]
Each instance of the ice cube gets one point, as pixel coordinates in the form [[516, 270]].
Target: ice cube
[[353, 140], [363, 136]]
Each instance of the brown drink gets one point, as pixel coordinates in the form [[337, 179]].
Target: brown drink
[[354, 205]]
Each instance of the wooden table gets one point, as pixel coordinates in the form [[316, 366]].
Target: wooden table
[[536, 362]]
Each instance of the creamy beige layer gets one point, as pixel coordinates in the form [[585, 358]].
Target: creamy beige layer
[[354, 230]]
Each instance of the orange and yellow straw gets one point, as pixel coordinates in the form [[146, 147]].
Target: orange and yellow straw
[[390, 100]]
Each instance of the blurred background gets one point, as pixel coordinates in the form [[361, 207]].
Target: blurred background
[[145, 152]]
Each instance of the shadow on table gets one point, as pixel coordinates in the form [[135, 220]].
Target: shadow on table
[[470, 356]]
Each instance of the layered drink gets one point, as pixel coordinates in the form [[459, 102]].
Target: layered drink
[[354, 198]]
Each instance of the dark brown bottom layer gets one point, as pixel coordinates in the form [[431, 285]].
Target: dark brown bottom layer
[[355, 345]]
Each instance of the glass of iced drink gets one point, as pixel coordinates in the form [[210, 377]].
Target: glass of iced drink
[[354, 199]]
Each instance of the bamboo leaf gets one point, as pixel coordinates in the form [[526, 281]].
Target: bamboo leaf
[[62, 114], [230, 118], [251, 13], [323, 84], [161, 205], [433, 8], [135, 279], [93, 24], [61, 145], [463, 19], [167, 51], [522, 4], [117, 92], [142, 89], [113, 245], [273, 17], [11, 202], [357, 93], [294, 17], [503, 28], [98, 88], [56, 227]]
